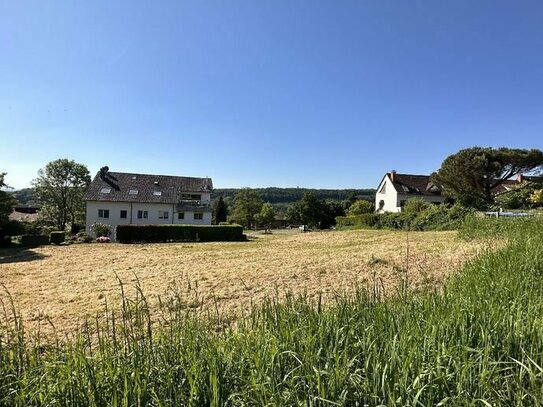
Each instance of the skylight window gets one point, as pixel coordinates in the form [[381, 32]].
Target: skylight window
[[157, 193], [133, 192], [105, 190]]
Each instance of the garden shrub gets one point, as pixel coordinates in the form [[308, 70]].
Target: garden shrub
[[416, 217], [178, 233], [34, 240], [101, 229], [367, 220], [83, 237], [57, 237]]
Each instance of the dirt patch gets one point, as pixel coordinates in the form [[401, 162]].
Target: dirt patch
[[65, 284]]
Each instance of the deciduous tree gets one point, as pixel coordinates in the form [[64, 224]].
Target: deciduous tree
[[266, 215], [247, 204], [360, 207], [472, 174], [60, 186]]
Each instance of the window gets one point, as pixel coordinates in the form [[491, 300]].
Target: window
[[181, 215], [132, 192], [198, 216], [103, 213], [163, 214], [105, 190], [191, 197], [124, 214], [383, 189], [402, 203], [143, 214], [157, 193]]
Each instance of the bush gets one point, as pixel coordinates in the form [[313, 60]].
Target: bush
[[368, 220], [34, 240], [178, 233], [83, 237], [101, 229], [441, 217], [415, 205], [13, 228], [5, 241], [57, 237], [360, 207]]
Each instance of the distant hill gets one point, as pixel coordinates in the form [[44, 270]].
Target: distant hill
[[26, 196]]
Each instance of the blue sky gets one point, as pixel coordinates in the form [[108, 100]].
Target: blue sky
[[280, 93]]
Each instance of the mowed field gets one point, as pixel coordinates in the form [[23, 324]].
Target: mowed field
[[66, 284]]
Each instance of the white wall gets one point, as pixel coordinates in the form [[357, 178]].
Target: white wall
[[390, 197], [393, 200], [132, 214]]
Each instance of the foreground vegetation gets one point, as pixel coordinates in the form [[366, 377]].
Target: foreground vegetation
[[478, 341]]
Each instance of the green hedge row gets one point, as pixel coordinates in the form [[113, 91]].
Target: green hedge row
[[57, 237], [178, 233], [34, 240], [433, 217], [367, 220]]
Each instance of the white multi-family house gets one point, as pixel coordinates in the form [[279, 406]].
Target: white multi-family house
[[395, 189], [119, 198]]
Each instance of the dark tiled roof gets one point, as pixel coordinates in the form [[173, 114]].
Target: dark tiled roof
[[120, 183], [414, 184]]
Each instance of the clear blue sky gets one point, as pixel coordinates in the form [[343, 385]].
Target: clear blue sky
[[278, 93]]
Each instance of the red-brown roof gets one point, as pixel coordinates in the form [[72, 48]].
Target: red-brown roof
[[128, 187], [414, 184]]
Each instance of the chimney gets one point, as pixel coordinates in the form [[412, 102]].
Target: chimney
[[392, 174], [103, 171]]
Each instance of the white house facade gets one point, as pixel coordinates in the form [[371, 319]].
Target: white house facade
[[116, 198], [395, 189]]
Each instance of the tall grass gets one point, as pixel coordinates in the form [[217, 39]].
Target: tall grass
[[478, 342]]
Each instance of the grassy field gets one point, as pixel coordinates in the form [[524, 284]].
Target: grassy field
[[63, 285], [476, 342]]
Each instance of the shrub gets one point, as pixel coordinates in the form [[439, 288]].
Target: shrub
[[101, 229], [57, 237], [5, 241], [415, 205], [441, 217], [34, 240], [360, 207], [395, 220], [13, 228], [83, 237], [178, 233], [368, 220]]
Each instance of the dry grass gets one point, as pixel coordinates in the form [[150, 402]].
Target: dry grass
[[68, 283]]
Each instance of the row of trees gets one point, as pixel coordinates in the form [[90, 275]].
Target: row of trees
[[250, 210]]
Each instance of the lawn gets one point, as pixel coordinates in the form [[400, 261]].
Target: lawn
[[65, 284]]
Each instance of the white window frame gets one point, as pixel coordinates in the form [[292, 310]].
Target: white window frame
[[198, 216], [163, 214], [102, 213], [180, 215], [143, 214]]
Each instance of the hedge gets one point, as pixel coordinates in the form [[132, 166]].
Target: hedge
[[178, 233], [359, 221], [57, 237], [34, 240]]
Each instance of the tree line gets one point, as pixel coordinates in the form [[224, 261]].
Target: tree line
[[470, 177]]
